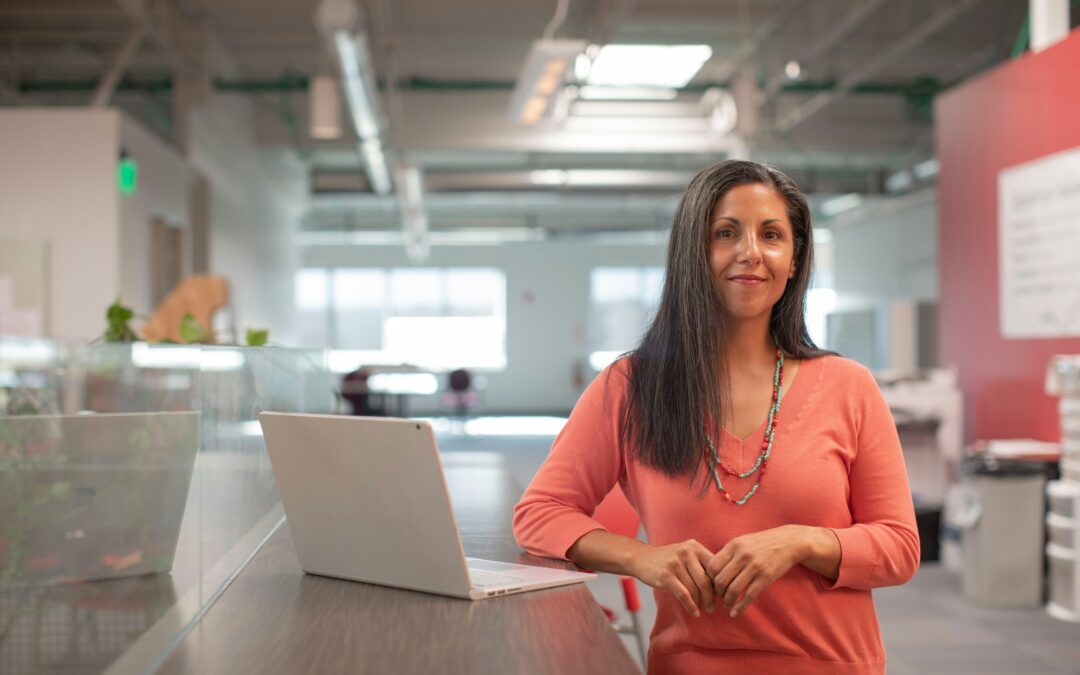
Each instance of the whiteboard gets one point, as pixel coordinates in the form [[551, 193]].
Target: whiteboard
[[1039, 247]]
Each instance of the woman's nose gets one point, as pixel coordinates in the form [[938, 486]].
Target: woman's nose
[[749, 250]]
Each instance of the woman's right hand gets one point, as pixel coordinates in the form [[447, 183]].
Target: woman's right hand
[[680, 568]]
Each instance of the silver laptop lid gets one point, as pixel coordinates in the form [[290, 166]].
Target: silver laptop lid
[[366, 500], [92, 496]]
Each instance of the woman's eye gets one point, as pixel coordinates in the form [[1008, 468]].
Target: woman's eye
[[772, 234], [723, 234]]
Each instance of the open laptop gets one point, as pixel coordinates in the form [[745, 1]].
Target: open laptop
[[366, 500], [92, 496]]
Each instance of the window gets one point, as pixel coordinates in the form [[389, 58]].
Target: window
[[434, 318], [622, 301], [312, 304], [821, 298]]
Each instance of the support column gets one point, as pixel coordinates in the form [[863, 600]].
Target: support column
[[1049, 22]]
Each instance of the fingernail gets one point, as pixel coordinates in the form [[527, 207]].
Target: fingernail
[[696, 614], [734, 613]]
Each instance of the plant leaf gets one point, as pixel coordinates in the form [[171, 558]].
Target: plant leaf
[[191, 330], [117, 328], [257, 337]]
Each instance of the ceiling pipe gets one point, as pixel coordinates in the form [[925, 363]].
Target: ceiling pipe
[[914, 38], [862, 11]]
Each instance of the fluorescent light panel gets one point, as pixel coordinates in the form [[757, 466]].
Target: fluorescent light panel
[[541, 78], [360, 103], [606, 93], [475, 237], [838, 205], [648, 65], [926, 170], [352, 56]]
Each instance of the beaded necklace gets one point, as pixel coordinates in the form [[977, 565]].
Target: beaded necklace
[[766, 443]]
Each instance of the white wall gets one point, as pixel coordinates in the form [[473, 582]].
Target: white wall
[[164, 191], [58, 185], [887, 254], [547, 287], [256, 200]]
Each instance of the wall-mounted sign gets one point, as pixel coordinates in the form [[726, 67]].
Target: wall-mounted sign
[[127, 174], [1039, 247]]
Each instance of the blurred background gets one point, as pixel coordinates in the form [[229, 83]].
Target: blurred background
[[459, 210]]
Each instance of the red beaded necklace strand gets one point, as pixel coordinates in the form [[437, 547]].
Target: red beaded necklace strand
[[766, 443]]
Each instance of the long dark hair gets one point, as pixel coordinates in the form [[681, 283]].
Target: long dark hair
[[678, 374]]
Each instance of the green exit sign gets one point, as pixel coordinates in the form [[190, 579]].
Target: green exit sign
[[127, 175]]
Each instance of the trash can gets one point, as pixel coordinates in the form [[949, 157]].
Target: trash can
[[1002, 535]]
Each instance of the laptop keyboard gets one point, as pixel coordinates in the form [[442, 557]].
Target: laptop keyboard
[[486, 579]]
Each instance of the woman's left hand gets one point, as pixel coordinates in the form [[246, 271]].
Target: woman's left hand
[[748, 564]]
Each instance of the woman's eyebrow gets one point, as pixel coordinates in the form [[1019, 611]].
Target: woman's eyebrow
[[734, 220], [770, 221]]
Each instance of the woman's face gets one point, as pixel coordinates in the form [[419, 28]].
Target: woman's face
[[751, 249]]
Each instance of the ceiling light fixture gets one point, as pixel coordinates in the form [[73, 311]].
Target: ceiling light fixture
[[595, 93], [901, 181], [357, 81], [793, 70], [414, 220], [542, 77], [549, 177], [722, 110], [926, 170], [582, 66], [671, 66], [838, 205]]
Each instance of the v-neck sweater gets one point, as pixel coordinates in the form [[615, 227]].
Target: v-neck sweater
[[836, 463]]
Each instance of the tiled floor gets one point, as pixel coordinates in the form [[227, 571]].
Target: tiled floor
[[927, 624]]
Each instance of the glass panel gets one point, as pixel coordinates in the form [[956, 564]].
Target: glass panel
[[122, 460]]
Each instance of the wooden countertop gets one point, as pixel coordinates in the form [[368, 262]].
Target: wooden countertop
[[276, 619]]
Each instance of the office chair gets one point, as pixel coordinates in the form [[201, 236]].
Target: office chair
[[459, 394], [617, 515]]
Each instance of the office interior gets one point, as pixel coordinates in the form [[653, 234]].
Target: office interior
[[457, 212]]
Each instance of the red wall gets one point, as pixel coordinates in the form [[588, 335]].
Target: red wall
[[1020, 111]]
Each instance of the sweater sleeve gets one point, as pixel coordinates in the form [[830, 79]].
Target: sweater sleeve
[[881, 548], [583, 466]]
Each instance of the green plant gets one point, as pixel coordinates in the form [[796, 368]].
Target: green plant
[[117, 328], [191, 331], [257, 337]]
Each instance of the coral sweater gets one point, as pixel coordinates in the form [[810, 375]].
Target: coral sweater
[[836, 463]]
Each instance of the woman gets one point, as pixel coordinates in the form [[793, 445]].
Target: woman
[[768, 473]]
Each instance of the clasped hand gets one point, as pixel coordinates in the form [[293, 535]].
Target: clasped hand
[[735, 575]]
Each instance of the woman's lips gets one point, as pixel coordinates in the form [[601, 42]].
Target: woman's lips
[[746, 281]]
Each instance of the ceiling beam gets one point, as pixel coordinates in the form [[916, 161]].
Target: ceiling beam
[[912, 39], [107, 86], [136, 10], [752, 46]]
